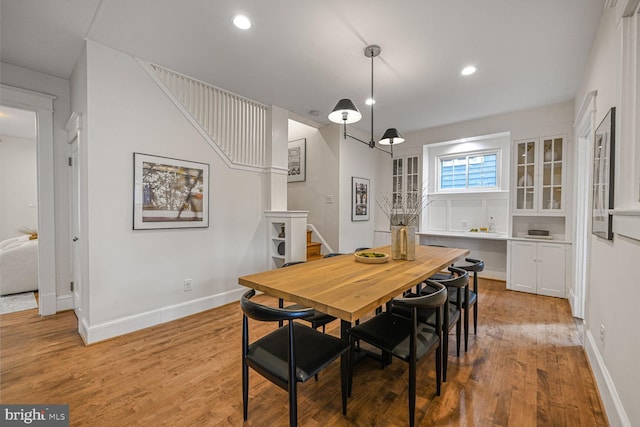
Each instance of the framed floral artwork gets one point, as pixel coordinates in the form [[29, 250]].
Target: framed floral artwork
[[169, 193]]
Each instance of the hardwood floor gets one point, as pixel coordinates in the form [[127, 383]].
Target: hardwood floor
[[526, 367]]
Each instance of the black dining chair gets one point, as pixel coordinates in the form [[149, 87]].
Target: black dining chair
[[289, 355], [361, 249], [475, 266], [457, 285], [317, 319], [406, 338]]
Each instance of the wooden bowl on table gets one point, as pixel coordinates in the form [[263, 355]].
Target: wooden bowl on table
[[369, 257]]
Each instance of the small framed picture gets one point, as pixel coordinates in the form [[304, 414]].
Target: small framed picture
[[603, 174], [297, 160], [359, 199], [169, 193]]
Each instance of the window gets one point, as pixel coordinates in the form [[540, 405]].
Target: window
[[477, 171]]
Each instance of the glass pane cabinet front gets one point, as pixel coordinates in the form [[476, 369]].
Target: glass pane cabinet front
[[552, 173], [525, 179], [539, 169]]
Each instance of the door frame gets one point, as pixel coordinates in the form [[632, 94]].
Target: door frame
[[584, 132], [42, 105]]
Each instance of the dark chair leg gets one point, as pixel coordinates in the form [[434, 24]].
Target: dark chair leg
[[445, 352], [245, 367], [412, 391], [475, 306], [280, 305], [344, 381], [350, 363], [458, 336], [438, 368], [475, 317]]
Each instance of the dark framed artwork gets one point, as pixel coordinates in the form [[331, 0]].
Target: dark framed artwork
[[169, 193], [359, 199], [603, 175], [297, 160]]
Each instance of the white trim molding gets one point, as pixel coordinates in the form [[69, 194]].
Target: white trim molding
[[610, 398]]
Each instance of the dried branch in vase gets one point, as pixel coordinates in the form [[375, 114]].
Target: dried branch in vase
[[403, 208]]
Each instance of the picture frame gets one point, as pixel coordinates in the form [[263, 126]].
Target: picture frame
[[603, 176], [297, 160], [169, 193], [360, 190]]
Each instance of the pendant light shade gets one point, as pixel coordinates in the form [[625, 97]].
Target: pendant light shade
[[390, 137], [345, 112]]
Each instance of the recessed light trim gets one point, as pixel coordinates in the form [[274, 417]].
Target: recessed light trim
[[242, 22], [468, 70]]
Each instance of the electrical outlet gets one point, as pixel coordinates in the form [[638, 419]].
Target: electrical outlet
[[602, 335], [187, 285]]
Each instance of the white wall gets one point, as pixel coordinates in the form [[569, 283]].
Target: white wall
[[357, 160], [135, 278], [613, 290], [321, 181], [18, 186]]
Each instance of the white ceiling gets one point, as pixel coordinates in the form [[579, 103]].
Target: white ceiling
[[304, 55]]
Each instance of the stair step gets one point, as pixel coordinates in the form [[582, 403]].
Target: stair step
[[313, 248], [309, 236]]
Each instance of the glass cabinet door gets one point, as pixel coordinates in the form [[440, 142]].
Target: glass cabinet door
[[552, 164], [525, 175]]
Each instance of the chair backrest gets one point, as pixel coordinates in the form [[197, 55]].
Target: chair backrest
[[433, 300], [475, 266], [265, 313], [289, 264], [332, 254], [361, 249], [460, 279]]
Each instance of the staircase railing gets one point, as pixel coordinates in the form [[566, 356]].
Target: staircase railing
[[319, 236]]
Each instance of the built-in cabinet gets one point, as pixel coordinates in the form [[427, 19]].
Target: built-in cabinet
[[540, 175], [537, 267], [287, 231], [406, 182], [538, 264]]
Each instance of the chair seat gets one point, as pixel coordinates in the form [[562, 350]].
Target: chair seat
[[391, 333], [453, 297], [317, 319], [314, 351], [441, 276]]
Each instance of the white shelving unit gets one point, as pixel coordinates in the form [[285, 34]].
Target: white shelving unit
[[538, 201], [287, 236]]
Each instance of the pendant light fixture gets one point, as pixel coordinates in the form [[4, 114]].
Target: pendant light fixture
[[345, 112]]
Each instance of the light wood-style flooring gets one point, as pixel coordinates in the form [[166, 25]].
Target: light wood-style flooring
[[526, 367]]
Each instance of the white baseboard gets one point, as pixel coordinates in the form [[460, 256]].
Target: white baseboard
[[612, 404], [64, 303], [113, 328]]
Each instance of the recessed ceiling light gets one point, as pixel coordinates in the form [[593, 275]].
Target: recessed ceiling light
[[370, 101], [242, 22], [468, 70]]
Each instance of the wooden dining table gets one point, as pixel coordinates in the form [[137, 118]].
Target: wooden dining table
[[348, 289]]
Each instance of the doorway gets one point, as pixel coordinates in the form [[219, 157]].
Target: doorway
[[42, 105], [584, 132]]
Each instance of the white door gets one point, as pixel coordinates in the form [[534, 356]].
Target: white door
[[551, 269], [523, 266], [74, 209]]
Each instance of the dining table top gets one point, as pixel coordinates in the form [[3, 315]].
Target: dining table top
[[348, 289]]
